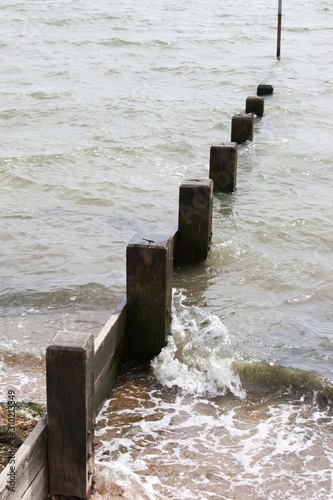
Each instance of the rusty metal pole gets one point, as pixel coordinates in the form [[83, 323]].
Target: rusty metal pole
[[278, 49]]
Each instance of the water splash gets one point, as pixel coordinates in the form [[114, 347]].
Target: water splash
[[198, 357]]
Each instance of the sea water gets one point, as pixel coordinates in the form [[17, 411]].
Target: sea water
[[105, 109]]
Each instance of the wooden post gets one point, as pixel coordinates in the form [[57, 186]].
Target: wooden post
[[223, 166], [195, 220], [279, 23], [70, 427], [242, 128], [255, 105], [264, 89], [149, 262]]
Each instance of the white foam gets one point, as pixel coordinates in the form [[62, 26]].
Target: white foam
[[197, 357], [135, 487], [25, 377], [200, 441], [182, 446]]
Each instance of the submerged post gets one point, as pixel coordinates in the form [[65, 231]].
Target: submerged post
[[70, 427], [255, 105], [149, 263], [279, 23], [195, 219], [264, 89], [223, 166], [242, 128]]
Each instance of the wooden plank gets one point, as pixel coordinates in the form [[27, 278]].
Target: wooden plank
[[70, 397], [109, 354], [174, 238], [38, 489], [30, 466]]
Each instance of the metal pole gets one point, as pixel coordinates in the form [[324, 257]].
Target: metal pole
[[278, 49]]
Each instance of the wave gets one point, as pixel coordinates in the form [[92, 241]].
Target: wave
[[88, 295], [199, 359], [307, 385], [119, 42]]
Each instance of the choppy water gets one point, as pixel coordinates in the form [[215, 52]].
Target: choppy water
[[157, 443], [104, 110]]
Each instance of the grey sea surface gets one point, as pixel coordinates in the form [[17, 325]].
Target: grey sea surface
[[104, 110]]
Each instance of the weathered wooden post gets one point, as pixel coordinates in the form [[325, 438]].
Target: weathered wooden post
[[255, 105], [264, 89], [223, 166], [279, 23], [195, 219], [70, 426], [149, 262], [242, 128]]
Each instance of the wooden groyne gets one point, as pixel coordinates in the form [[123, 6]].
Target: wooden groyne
[[57, 459]]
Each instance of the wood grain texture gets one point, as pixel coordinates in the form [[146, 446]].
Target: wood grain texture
[[109, 354], [70, 397], [30, 468]]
